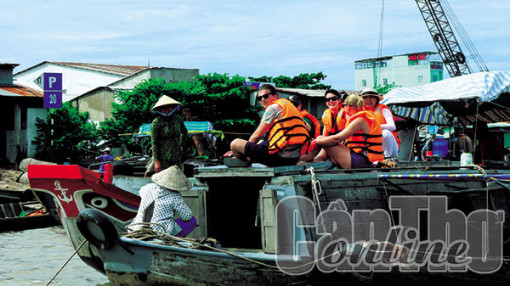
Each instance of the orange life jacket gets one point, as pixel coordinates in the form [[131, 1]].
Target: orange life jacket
[[371, 142], [333, 123], [290, 130], [378, 112], [316, 128]]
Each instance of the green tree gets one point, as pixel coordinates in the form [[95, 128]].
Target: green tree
[[304, 81], [63, 134], [131, 110], [384, 89], [227, 103], [218, 98]]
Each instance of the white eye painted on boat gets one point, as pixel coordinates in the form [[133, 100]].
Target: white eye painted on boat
[[99, 203]]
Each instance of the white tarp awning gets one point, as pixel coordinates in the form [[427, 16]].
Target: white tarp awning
[[487, 86], [461, 97]]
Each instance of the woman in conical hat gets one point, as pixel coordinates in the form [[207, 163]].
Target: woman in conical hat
[[165, 101], [168, 134], [165, 192], [172, 179]]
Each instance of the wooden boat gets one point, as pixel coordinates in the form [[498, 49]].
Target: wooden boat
[[65, 190], [237, 207], [24, 215], [14, 192]]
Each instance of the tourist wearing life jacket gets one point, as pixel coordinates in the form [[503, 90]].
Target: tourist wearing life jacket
[[287, 136], [391, 142], [312, 124], [362, 136], [333, 120]]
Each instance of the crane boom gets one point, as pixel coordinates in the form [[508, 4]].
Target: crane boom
[[449, 49]]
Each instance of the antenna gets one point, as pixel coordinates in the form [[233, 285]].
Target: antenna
[[379, 48]]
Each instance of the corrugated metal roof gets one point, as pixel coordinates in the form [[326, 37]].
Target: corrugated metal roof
[[18, 90], [6, 93], [113, 69], [9, 65]]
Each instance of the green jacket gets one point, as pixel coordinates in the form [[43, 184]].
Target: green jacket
[[168, 135]]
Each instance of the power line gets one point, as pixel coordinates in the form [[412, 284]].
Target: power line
[[470, 47]]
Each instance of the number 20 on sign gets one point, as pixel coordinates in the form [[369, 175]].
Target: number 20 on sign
[[52, 99], [52, 85]]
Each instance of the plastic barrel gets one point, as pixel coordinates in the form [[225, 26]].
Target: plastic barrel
[[466, 159], [440, 147]]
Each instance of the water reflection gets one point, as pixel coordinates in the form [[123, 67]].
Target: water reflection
[[32, 257]]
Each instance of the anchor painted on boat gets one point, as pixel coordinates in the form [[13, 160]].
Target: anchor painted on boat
[[63, 196]]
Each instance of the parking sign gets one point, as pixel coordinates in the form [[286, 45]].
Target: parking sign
[[52, 99], [52, 86]]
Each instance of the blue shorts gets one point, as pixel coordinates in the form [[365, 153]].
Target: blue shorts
[[258, 153], [359, 161]]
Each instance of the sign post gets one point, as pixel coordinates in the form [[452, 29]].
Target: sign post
[[52, 86]]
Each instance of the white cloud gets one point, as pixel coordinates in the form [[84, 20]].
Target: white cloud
[[249, 38]]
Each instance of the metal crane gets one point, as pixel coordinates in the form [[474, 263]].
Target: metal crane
[[444, 38]]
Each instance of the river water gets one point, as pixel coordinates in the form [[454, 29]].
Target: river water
[[33, 257]]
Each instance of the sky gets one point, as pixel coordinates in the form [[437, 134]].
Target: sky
[[237, 37]]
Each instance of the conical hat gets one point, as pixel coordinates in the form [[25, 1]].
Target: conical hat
[[165, 100], [172, 178]]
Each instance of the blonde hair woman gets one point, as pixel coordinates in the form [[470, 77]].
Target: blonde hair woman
[[362, 136]]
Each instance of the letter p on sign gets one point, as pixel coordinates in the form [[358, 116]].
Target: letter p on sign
[[52, 81], [52, 85]]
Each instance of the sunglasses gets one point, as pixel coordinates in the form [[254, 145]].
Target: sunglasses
[[265, 96], [334, 98]]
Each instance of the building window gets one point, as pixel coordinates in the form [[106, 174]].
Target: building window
[[23, 119], [436, 66], [363, 83], [420, 79], [385, 81], [436, 76], [370, 65]]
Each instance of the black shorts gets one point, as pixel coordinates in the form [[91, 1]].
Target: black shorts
[[258, 153], [359, 161]]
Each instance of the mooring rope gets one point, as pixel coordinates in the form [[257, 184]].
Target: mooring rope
[[61, 268], [316, 187], [316, 190], [484, 173]]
